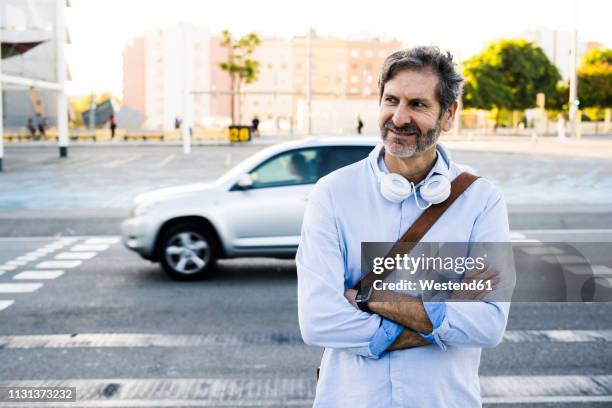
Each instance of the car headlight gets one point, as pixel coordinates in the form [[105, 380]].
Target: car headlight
[[144, 208]]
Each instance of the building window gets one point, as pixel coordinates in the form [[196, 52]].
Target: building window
[[369, 53], [354, 79], [354, 53]]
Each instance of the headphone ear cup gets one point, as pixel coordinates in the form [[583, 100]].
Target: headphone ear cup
[[436, 189], [395, 188]]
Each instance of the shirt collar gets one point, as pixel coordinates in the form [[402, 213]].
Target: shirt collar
[[441, 166]]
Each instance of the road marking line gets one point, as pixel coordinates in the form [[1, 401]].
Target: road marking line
[[27, 258], [589, 270], [5, 303], [166, 160], [104, 340], [19, 287], [83, 247], [103, 240], [564, 259], [38, 275], [542, 250], [557, 336], [58, 264], [68, 240], [120, 162], [565, 231], [517, 235], [548, 400], [263, 392], [76, 255], [7, 267], [556, 386], [16, 263]]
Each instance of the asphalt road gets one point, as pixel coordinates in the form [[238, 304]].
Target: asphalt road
[[116, 322], [115, 327]]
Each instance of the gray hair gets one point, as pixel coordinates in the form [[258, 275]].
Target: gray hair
[[450, 83]]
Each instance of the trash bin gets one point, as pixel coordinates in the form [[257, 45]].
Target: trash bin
[[239, 133]]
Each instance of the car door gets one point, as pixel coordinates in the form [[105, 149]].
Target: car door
[[268, 217]]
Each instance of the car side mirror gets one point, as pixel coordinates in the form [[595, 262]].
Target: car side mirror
[[245, 182]]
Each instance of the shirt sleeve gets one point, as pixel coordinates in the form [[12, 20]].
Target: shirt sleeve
[[326, 318], [482, 323]]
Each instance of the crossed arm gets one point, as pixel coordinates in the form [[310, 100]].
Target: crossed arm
[[410, 312], [407, 311]]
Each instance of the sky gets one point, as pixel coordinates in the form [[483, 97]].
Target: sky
[[100, 29]]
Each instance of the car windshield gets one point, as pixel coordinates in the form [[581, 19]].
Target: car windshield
[[247, 164]]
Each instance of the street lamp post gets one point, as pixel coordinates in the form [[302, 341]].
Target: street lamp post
[[1, 113], [573, 85], [62, 103]]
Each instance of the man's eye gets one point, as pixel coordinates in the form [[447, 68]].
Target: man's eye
[[389, 99]]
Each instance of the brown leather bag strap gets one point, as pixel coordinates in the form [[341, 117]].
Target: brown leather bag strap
[[420, 227]]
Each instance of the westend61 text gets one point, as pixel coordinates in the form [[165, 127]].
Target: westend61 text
[[432, 285], [412, 264]]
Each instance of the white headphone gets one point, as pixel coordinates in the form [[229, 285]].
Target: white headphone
[[396, 188]]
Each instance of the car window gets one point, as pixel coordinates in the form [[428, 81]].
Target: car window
[[291, 168], [333, 158]]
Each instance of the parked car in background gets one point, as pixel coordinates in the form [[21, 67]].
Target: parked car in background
[[255, 209]]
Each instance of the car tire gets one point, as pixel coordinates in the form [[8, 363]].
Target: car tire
[[187, 252]]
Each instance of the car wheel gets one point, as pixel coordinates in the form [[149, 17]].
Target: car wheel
[[187, 252]]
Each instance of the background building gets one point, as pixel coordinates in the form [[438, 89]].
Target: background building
[[343, 82]]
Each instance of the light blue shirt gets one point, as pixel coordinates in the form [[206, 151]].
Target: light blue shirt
[[345, 209]]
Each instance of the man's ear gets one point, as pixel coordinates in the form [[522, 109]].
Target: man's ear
[[449, 117]]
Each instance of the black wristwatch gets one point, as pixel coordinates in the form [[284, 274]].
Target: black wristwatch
[[363, 297]]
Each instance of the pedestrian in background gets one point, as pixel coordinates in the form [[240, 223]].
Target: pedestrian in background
[[31, 128], [359, 124], [113, 126], [42, 124], [255, 125]]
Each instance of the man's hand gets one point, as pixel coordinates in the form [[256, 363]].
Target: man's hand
[[408, 339], [350, 295], [479, 276]]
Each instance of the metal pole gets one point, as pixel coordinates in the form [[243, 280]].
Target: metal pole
[[187, 114], [62, 103], [309, 82], [1, 114], [573, 91]]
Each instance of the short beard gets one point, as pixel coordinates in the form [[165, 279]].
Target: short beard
[[402, 149]]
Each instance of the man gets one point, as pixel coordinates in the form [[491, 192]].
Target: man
[[409, 353], [255, 125]]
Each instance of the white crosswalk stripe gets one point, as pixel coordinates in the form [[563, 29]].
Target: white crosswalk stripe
[[58, 264], [83, 247], [34, 275], [19, 287], [75, 255], [102, 240], [5, 304]]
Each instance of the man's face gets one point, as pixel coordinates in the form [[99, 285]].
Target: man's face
[[409, 119]]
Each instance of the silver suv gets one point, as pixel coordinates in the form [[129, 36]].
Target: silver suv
[[255, 209]]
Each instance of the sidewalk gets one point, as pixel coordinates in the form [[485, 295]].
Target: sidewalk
[[600, 147], [596, 148]]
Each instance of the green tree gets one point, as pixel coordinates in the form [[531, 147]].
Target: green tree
[[595, 79], [508, 74], [241, 67]]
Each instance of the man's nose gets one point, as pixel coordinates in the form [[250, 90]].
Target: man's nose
[[401, 117]]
